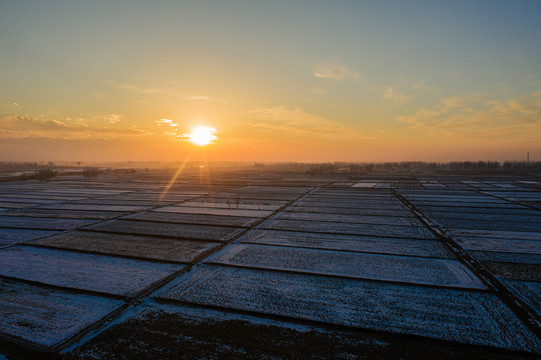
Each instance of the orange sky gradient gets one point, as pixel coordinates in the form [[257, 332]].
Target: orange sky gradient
[[308, 81]]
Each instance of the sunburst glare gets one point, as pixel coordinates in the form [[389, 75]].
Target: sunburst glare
[[202, 135]]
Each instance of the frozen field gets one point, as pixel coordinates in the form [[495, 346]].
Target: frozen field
[[271, 265]]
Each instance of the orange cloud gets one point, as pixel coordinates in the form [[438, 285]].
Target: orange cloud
[[147, 90], [472, 116], [396, 97], [22, 126], [296, 122], [334, 71]]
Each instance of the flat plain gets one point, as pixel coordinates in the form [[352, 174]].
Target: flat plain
[[256, 263]]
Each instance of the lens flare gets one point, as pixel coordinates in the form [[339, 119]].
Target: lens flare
[[174, 178]]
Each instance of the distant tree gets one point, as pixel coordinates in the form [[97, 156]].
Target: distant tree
[[45, 175]]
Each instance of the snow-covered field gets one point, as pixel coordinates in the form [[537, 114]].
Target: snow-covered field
[[90, 266]]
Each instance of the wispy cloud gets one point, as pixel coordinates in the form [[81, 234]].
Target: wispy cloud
[[171, 128], [298, 123], [420, 86], [474, 116], [10, 105], [113, 118], [139, 89], [206, 98], [336, 71], [197, 135], [453, 102], [146, 90], [200, 98], [403, 91], [22, 126], [395, 96], [166, 122]]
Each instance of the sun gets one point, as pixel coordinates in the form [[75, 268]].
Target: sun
[[202, 135]]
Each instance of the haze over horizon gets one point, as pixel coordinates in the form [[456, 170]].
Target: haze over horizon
[[278, 81]]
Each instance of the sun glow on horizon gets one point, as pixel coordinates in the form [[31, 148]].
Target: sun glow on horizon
[[202, 135]]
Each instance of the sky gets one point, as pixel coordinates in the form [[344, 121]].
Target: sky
[[313, 81]]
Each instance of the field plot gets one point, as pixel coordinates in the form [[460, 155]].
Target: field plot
[[351, 228], [204, 219], [362, 266], [520, 195], [41, 223], [270, 265], [445, 314], [138, 246], [366, 244], [184, 231], [14, 236], [90, 272], [283, 193], [506, 242], [46, 317], [216, 211], [66, 214]]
